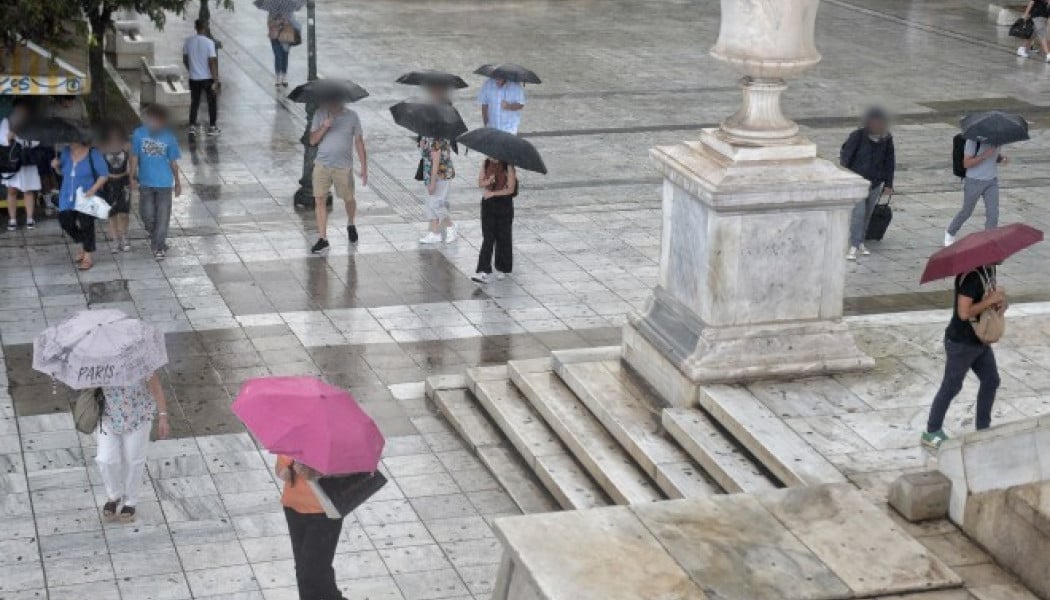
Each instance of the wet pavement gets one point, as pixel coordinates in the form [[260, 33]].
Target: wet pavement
[[240, 296]]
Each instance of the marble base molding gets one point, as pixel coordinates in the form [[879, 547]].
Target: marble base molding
[[752, 264]]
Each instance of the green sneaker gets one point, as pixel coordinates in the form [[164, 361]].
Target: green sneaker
[[933, 440]]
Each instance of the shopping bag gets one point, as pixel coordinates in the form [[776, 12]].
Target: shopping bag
[[91, 205]]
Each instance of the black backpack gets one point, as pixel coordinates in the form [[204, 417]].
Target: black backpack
[[958, 153], [10, 158]]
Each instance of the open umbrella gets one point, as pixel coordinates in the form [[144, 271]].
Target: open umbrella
[[100, 348], [52, 130], [429, 119], [279, 7], [508, 71], [314, 423], [988, 247], [328, 90], [504, 146], [430, 77], [994, 127]]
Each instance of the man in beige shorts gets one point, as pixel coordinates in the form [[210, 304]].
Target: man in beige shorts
[[336, 132], [1038, 11]]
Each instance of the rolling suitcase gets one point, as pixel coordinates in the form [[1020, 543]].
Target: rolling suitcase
[[881, 216]]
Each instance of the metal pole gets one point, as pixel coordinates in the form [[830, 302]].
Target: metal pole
[[304, 196]]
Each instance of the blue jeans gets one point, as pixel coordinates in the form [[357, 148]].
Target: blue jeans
[[280, 56], [960, 358]]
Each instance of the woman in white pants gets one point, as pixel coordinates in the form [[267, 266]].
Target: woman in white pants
[[123, 438]]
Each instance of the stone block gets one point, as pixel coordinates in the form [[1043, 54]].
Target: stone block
[[921, 496]]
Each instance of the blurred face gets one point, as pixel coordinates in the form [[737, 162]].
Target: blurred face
[[501, 82], [877, 126], [154, 123], [18, 113], [334, 107], [437, 92]]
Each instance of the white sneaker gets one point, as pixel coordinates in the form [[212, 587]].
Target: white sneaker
[[451, 233], [949, 239], [430, 238], [1022, 52], [864, 250], [500, 276], [1048, 58], [852, 255], [480, 277]]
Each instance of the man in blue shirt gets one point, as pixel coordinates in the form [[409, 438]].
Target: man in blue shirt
[[501, 103], [155, 171]]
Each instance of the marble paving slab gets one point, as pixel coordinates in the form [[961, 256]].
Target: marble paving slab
[[734, 549], [604, 553], [857, 541]]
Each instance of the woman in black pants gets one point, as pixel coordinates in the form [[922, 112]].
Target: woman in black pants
[[500, 185], [975, 292]]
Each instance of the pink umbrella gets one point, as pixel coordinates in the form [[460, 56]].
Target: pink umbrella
[[312, 422]]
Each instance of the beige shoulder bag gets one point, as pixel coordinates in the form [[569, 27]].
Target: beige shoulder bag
[[990, 325]]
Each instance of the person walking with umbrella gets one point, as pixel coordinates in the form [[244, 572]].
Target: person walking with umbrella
[[978, 303], [498, 181], [868, 152], [436, 124], [117, 357], [319, 432], [335, 131], [283, 31], [502, 97], [82, 168], [985, 135]]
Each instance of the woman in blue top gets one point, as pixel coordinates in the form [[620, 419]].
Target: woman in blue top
[[83, 167]]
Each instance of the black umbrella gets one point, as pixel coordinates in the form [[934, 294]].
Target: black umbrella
[[508, 71], [328, 90], [430, 77], [428, 119], [995, 127], [52, 130], [504, 146]]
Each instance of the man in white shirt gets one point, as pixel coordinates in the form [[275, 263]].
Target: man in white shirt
[[202, 61], [501, 103]]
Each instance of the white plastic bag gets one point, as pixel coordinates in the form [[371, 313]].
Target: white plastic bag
[[91, 205]]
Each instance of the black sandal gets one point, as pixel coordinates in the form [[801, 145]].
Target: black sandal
[[127, 514], [109, 509]]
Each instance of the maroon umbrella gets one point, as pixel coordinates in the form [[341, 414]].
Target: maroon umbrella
[[987, 247]]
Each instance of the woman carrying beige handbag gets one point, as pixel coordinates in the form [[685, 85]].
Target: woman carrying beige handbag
[[283, 31], [976, 323]]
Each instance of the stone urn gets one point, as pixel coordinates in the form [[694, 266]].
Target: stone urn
[[767, 41]]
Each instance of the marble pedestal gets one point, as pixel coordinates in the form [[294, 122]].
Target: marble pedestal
[[751, 267]]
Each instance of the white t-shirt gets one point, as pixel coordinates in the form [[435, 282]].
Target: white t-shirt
[[199, 48]]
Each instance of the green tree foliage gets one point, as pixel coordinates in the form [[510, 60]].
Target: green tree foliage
[[50, 23]]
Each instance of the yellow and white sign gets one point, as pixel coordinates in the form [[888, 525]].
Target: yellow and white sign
[[30, 70]]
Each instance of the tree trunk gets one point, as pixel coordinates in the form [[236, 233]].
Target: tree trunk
[[96, 56]]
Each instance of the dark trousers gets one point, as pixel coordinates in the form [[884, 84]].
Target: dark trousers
[[197, 86], [497, 232], [959, 359], [80, 227], [314, 539]]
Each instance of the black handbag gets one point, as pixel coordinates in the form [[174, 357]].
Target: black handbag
[[881, 215], [11, 158], [341, 495], [1022, 28]]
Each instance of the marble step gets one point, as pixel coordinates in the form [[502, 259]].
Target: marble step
[[723, 460], [632, 416], [765, 435], [601, 455], [538, 445], [470, 422], [517, 479]]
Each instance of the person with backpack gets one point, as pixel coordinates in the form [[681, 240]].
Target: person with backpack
[[978, 164], [975, 292], [1037, 11], [26, 178], [500, 184], [83, 168], [868, 152]]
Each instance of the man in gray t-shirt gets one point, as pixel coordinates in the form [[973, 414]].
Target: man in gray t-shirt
[[982, 162], [336, 132]]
